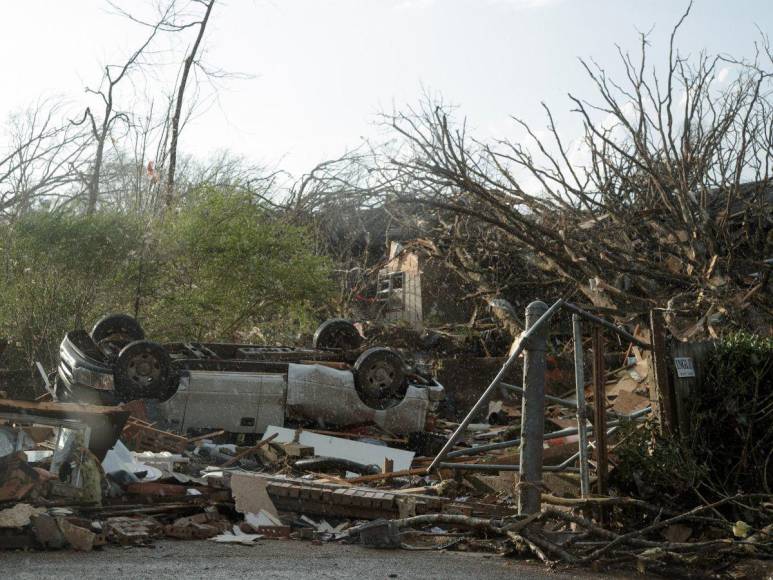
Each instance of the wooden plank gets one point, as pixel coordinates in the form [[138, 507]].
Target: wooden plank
[[249, 451], [207, 436], [385, 476], [687, 388], [665, 399]]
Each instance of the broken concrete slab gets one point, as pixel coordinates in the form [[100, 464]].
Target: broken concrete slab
[[19, 515], [79, 538], [265, 524], [336, 500], [17, 477], [47, 531], [200, 526], [131, 530], [250, 494]]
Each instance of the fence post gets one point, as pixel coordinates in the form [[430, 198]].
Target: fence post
[[582, 415], [600, 420], [664, 397], [533, 413]]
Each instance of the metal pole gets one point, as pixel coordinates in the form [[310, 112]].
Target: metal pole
[[606, 324], [547, 436], [558, 401], [497, 467], [536, 326], [582, 419], [563, 466], [533, 413]]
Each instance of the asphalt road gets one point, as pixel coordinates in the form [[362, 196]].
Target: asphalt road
[[290, 559]]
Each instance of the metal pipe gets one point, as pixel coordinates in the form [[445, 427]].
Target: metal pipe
[[547, 436], [568, 403], [563, 402], [606, 324], [600, 416], [511, 443], [588, 445], [497, 467], [569, 461], [500, 375], [564, 466], [533, 412], [582, 419]]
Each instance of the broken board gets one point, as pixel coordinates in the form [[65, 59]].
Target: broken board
[[327, 446]]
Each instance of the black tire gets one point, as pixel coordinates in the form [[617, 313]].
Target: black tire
[[116, 328], [337, 333], [142, 371], [172, 385], [379, 376]]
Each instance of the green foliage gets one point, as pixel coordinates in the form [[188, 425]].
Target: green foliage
[[653, 465], [227, 267], [729, 446], [732, 417], [220, 268], [61, 271]]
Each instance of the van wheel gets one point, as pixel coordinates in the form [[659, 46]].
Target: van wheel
[[117, 328], [379, 377], [142, 370], [337, 333]]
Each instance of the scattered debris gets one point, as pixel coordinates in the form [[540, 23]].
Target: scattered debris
[[236, 536], [361, 483], [356, 451], [250, 494]]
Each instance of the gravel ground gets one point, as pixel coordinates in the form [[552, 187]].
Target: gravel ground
[[269, 559]]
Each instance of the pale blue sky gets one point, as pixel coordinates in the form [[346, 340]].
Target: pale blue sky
[[323, 69]]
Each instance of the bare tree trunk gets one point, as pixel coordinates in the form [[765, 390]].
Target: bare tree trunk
[[96, 171], [189, 60], [110, 115]]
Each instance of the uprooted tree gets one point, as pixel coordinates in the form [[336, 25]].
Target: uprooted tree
[[664, 204]]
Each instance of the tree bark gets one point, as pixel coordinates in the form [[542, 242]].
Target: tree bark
[[175, 129]]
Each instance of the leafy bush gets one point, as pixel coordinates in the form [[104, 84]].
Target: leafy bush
[[220, 268], [651, 465], [732, 417], [228, 270], [729, 445], [61, 271]]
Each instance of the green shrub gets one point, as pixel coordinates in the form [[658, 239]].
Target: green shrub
[[651, 465], [60, 272], [227, 269], [729, 445], [219, 268], [732, 416]]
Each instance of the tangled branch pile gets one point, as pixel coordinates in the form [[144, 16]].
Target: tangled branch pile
[[664, 203], [692, 544]]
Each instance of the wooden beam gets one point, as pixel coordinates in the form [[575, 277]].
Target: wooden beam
[[664, 391], [249, 451], [600, 415]]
